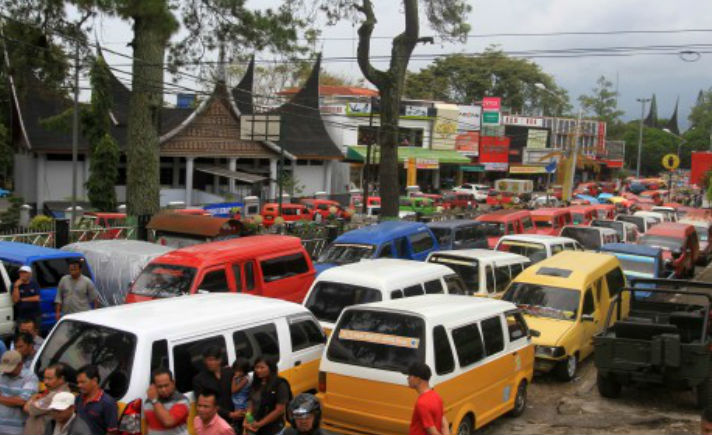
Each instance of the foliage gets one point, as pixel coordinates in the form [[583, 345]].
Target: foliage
[[41, 223], [290, 184], [6, 155], [656, 143], [602, 102], [10, 218], [708, 188], [103, 174], [464, 79]]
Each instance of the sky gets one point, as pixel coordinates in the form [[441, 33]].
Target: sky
[[668, 76]]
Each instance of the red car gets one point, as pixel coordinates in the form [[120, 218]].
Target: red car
[[324, 207], [105, 220], [605, 211], [591, 189], [496, 198], [290, 213], [652, 195], [582, 214], [549, 221], [461, 200], [680, 245], [505, 222]]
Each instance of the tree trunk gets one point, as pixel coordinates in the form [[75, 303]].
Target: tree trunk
[[389, 185], [142, 157]]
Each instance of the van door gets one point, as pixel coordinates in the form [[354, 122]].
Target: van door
[[286, 277], [590, 327], [307, 345], [7, 324], [498, 367], [518, 348], [214, 280]]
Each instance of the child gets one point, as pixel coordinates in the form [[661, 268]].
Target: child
[[241, 382]]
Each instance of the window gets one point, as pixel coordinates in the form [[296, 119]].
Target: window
[[328, 299], [502, 278], [188, 360], [444, 361], [527, 223], [159, 355], [238, 278], [265, 339], [414, 290], [164, 280], [455, 286], [47, 273], [615, 281], [305, 334], [433, 287], [588, 305], [397, 294], [468, 344], [401, 245], [555, 249], [421, 242], [13, 271], [243, 347], [516, 326], [249, 276], [214, 282], [386, 251], [493, 335], [599, 287], [490, 279], [287, 266], [516, 269], [510, 228]]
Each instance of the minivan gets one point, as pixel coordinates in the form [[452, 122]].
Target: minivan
[[590, 237], [504, 222], [536, 247], [680, 245], [549, 221], [459, 234], [270, 265], [479, 350]]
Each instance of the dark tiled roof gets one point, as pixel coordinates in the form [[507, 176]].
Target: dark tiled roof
[[242, 93]]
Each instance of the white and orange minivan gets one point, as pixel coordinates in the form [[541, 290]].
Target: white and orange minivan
[[479, 351]]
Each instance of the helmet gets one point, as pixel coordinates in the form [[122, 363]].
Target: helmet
[[302, 405]]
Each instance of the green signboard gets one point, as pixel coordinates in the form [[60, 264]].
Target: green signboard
[[490, 118]]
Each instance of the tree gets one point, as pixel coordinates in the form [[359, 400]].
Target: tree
[[656, 143], [447, 18], [465, 79], [602, 102]]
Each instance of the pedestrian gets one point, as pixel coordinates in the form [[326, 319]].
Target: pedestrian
[[94, 405], [208, 420], [304, 414], [269, 397], [17, 385], [29, 326], [26, 295], [166, 410], [216, 377], [241, 383], [64, 418], [428, 414], [38, 407], [25, 345], [75, 292]]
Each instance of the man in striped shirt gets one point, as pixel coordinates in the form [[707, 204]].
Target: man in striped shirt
[[166, 410], [17, 385]]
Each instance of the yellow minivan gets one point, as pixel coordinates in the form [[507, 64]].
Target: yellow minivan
[[566, 298], [479, 350]]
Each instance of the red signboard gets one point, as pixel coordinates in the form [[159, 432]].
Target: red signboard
[[468, 143], [491, 103], [613, 163], [701, 163], [494, 149]]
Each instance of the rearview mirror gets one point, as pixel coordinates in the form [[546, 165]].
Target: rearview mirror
[[587, 318], [534, 333]]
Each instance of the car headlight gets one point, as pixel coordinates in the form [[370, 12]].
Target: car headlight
[[550, 351]]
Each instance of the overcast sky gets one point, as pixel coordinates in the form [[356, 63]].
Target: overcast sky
[[668, 76]]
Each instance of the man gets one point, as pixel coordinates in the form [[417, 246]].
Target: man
[[38, 407], [75, 292], [304, 414], [17, 385], [95, 406], [65, 420], [208, 422], [26, 295], [166, 411], [29, 326], [24, 344], [428, 414], [216, 377]]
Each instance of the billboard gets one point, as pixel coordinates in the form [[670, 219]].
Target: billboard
[[468, 143], [491, 103], [537, 139], [445, 127], [469, 118], [494, 149], [523, 121]]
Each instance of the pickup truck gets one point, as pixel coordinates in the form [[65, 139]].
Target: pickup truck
[[665, 340]]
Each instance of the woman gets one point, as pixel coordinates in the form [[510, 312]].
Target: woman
[[269, 397]]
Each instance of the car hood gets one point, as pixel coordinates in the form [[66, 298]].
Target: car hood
[[551, 330]]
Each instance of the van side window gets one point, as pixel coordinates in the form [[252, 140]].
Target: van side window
[[516, 326], [397, 294], [510, 228], [283, 267], [588, 305], [401, 245], [516, 269], [555, 249], [236, 271], [243, 347], [305, 334], [266, 339], [468, 344], [13, 270], [615, 281], [188, 360], [421, 242], [249, 276], [527, 223], [214, 282], [455, 286], [502, 278], [493, 335], [490, 279], [414, 290], [159, 355], [444, 361], [433, 287], [386, 251]]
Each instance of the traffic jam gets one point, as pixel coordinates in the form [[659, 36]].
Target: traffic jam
[[514, 288]]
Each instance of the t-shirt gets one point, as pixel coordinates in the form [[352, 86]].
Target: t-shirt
[[178, 407], [28, 310], [428, 412], [100, 412], [75, 295], [240, 399], [12, 418]]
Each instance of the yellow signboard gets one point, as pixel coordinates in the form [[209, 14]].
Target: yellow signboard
[[671, 162], [377, 338]]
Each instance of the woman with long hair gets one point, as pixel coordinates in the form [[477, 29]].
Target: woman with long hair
[[269, 396]]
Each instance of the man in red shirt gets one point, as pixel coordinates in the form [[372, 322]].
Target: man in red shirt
[[166, 410], [428, 414]]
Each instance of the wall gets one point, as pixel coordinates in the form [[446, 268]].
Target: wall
[[310, 178], [25, 174], [58, 181]]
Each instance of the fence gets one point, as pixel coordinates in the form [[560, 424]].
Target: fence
[[48, 239]]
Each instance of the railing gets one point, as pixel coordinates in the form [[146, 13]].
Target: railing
[[44, 239], [101, 233]]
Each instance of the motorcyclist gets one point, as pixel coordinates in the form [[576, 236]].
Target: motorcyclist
[[304, 415]]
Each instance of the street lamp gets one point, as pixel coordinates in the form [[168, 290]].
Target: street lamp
[[642, 102], [679, 144]]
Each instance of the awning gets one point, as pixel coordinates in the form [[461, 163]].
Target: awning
[[527, 169], [357, 153], [237, 175], [472, 168]]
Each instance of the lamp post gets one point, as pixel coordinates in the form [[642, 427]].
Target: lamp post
[[642, 102]]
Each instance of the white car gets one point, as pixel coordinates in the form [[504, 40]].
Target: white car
[[543, 201], [478, 190]]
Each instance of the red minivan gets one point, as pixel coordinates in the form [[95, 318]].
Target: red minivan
[[550, 221], [290, 213], [505, 222], [605, 211], [680, 245], [582, 214], [271, 265]]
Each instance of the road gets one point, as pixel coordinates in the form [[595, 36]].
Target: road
[[576, 407]]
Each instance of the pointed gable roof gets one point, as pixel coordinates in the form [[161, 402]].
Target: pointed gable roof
[[672, 123], [652, 119], [242, 93]]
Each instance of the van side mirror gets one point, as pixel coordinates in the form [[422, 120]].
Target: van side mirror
[[587, 318], [534, 333]]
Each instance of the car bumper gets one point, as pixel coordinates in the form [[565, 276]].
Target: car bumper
[[545, 365]]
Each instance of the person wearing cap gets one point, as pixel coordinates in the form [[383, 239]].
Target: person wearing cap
[[37, 408], [428, 414], [17, 385], [26, 295], [304, 414], [94, 405], [65, 420], [75, 292]]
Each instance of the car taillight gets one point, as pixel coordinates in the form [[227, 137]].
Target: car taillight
[[130, 421], [322, 382]]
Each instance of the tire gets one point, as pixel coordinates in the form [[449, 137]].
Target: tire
[[702, 394], [520, 400], [608, 386], [465, 427], [566, 369]]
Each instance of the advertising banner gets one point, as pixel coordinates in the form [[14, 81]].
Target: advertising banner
[[445, 127], [496, 167], [536, 139], [491, 118], [491, 103], [469, 118], [468, 143], [523, 121], [494, 149]]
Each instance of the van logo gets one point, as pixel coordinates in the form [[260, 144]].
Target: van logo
[[506, 393]]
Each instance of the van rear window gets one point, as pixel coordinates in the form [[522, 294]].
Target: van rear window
[[328, 299], [49, 272], [164, 281], [379, 340]]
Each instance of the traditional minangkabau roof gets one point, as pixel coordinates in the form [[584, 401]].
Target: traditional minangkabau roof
[[242, 93]]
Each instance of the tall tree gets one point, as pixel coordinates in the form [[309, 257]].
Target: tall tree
[[602, 102], [464, 79], [447, 18]]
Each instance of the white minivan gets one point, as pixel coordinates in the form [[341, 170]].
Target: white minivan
[[484, 272], [536, 247], [373, 281], [128, 342]]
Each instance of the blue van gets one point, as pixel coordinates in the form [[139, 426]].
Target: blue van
[[639, 261], [392, 239], [48, 267]]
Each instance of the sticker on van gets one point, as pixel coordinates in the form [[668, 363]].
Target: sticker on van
[[377, 338]]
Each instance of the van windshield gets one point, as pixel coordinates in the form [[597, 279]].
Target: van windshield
[[535, 251], [378, 340], [444, 236], [544, 301], [49, 272], [77, 344], [328, 299], [164, 281], [467, 269], [618, 227], [637, 220], [578, 218], [343, 253], [544, 222], [637, 265], [589, 237], [667, 243], [491, 229]]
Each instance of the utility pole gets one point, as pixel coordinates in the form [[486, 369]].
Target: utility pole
[[642, 102], [574, 157], [367, 166], [75, 134]]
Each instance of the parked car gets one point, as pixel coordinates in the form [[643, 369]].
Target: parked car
[[627, 232], [591, 189], [680, 244], [605, 211], [549, 221], [652, 195], [582, 214], [504, 222], [591, 238], [670, 212], [458, 200], [107, 224], [290, 213], [536, 247], [544, 201], [478, 190], [644, 223], [415, 204], [459, 234], [704, 233], [656, 216], [325, 208], [638, 261]]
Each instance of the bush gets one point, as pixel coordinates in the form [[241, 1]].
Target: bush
[[41, 223]]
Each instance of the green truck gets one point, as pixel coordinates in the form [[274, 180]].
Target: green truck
[[664, 339]]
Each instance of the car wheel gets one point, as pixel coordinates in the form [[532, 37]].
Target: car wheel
[[566, 369], [520, 401], [465, 427], [608, 386]]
